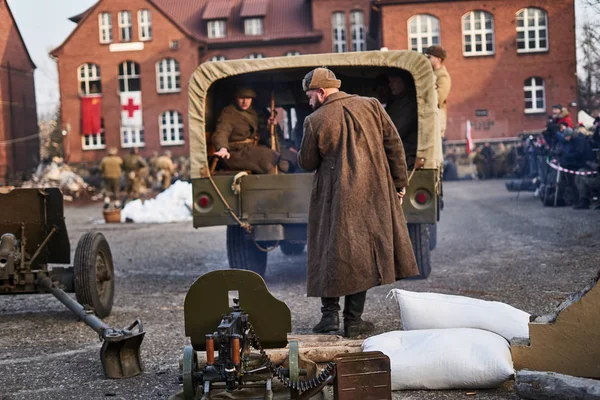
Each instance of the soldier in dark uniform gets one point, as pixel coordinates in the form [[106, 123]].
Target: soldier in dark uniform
[[237, 135], [402, 109]]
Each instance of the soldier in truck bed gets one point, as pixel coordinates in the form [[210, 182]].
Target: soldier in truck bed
[[236, 136]]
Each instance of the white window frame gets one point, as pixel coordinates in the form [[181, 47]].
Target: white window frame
[[474, 17], [128, 75], [431, 36], [105, 27], [292, 53], [91, 73], [173, 122], [216, 28], [217, 58], [536, 29], [530, 88], [125, 26], [135, 136], [253, 26], [357, 30], [338, 32], [170, 75], [96, 141], [144, 25], [254, 56]]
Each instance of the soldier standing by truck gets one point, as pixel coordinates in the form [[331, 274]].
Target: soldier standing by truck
[[357, 233], [133, 165], [110, 167], [436, 56]]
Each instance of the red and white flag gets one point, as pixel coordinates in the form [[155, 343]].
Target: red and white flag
[[131, 109], [469, 138]]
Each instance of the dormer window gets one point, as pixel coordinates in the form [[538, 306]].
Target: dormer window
[[216, 29], [253, 26]]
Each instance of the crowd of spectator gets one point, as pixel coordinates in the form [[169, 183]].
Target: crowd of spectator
[[562, 162]]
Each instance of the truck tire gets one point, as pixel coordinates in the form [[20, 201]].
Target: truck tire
[[432, 236], [242, 253], [291, 249], [94, 273], [419, 237]]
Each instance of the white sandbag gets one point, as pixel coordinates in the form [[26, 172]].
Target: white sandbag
[[444, 358], [439, 311]]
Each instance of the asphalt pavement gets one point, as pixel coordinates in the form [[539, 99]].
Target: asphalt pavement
[[492, 245]]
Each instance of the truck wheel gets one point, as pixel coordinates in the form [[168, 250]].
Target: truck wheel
[[419, 236], [94, 273], [242, 253], [432, 236], [291, 249]]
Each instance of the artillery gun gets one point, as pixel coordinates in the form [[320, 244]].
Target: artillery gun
[[32, 236]]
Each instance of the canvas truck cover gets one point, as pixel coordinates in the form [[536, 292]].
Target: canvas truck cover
[[429, 137]]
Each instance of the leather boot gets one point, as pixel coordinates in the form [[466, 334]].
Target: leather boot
[[330, 322], [583, 204], [357, 328]]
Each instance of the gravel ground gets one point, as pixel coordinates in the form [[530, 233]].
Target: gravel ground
[[491, 245]]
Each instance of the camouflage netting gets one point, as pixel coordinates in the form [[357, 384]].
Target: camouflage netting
[[429, 142]]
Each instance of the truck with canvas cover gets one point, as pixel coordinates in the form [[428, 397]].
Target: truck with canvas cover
[[263, 211]]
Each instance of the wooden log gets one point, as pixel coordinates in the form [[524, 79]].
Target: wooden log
[[322, 354], [549, 385]]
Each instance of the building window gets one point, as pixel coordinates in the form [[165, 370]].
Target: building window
[[132, 136], [145, 25], [478, 34], [292, 53], [170, 125], [423, 31], [253, 56], [338, 22], [532, 30], [167, 76], [216, 29], [125, 25], [88, 76], [357, 30], [129, 77], [94, 141], [535, 95], [217, 58], [105, 27], [253, 26]]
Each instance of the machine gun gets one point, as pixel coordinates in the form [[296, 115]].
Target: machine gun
[[241, 361], [33, 234]]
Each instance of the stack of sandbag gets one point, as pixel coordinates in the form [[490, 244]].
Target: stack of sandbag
[[58, 174], [450, 342]]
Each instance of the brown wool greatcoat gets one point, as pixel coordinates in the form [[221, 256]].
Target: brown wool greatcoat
[[357, 234], [235, 125]]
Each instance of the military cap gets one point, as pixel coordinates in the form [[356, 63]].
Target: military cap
[[245, 92], [320, 78], [113, 151], [436, 51]]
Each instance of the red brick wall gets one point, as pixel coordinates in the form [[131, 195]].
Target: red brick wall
[[322, 11], [495, 83], [84, 46], [17, 101]]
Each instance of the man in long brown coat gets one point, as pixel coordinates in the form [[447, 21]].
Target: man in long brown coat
[[436, 56], [236, 136], [357, 234]]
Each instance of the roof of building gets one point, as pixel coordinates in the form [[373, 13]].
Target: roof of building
[[283, 19], [19, 33]]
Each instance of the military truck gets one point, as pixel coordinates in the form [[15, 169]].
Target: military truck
[[262, 212]]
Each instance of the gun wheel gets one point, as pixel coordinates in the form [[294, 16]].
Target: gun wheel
[[190, 364], [94, 273]]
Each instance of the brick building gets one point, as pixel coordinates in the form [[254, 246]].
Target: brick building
[[19, 142], [137, 58], [510, 60]]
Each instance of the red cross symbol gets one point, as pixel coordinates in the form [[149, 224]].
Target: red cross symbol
[[130, 108]]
